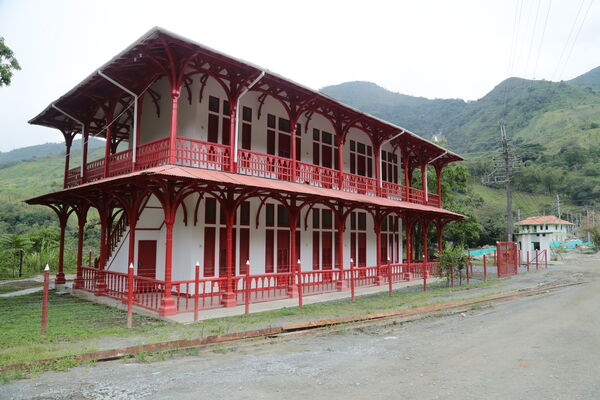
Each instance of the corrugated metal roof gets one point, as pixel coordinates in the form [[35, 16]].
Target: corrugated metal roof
[[543, 220], [228, 178]]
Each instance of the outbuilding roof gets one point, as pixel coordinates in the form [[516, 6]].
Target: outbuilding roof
[[544, 220]]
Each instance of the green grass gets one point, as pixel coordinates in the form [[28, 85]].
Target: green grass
[[78, 326], [495, 201]]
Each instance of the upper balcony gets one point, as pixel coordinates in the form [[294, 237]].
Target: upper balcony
[[201, 154], [168, 100]]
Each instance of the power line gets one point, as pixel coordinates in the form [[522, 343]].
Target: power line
[[542, 39], [505, 165], [576, 37], [554, 75]]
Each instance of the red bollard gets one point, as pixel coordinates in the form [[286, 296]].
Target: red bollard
[[196, 290], [352, 270], [389, 266], [299, 273], [130, 296], [45, 299], [247, 288], [484, 268]]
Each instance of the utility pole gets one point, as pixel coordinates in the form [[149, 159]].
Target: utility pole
[[518, 214], [558, 205], [505, 165]]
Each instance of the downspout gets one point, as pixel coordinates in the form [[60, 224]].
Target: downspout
[[381, 149], [135, 113], [82, 132], [237, 115]]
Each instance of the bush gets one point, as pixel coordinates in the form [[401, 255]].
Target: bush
[[453, 259]]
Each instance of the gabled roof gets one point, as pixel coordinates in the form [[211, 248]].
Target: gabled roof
[[543, 220], [137, 67]]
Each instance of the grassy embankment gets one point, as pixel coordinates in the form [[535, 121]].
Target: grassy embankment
[[77, 326]]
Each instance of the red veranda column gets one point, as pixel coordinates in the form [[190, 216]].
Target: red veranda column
[[228, 298], [341, 227], [100, 284], [377, 223], [167, 304], [60, 276], [232, 125], [293, 261], [175, 92], [81, 221]]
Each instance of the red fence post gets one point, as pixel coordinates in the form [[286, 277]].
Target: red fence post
[[299, 274], [528, 261], [537, 253], [484, 268], [352, 270], [196, 290], [546, 257], [130, 295], [247, 288], [45, 299], [389, 266]]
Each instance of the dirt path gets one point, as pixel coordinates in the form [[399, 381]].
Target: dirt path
[[534, 348]]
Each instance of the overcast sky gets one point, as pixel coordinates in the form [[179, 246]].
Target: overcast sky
[[435, 49]]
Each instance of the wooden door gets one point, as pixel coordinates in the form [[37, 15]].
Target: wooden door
[[147, 258], [283, 251]]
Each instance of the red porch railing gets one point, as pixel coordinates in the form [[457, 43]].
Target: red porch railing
[[94, 170], [148, 292], [199, 154], [317, 176], [89, 276], [119, 163], [393, 191], [359, 184], [152, 154], [264, 165], [73, 177]]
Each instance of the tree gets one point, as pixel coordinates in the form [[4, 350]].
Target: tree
[[453, 260], [8, 63], [16, 244]]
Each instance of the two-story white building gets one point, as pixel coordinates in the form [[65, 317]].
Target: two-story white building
[[536, 233], [213, 160]]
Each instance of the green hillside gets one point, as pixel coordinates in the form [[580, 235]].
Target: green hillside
[[554, 126], [24, 179], [45, 149]]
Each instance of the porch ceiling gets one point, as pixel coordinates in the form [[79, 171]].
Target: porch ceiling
[[228, 180]]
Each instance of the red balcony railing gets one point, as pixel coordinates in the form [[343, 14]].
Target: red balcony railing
[[393, 191], [359, 184], [199, 154], [264, 165], [94, 170], [317, 176], [153, 154], [120, 163]]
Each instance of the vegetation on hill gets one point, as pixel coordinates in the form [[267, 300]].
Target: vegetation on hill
[[554, 126]]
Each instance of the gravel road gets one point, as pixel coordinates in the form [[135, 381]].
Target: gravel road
[[542, 347]]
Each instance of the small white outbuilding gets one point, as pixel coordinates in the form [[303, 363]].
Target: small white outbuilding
[[536, 233]]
